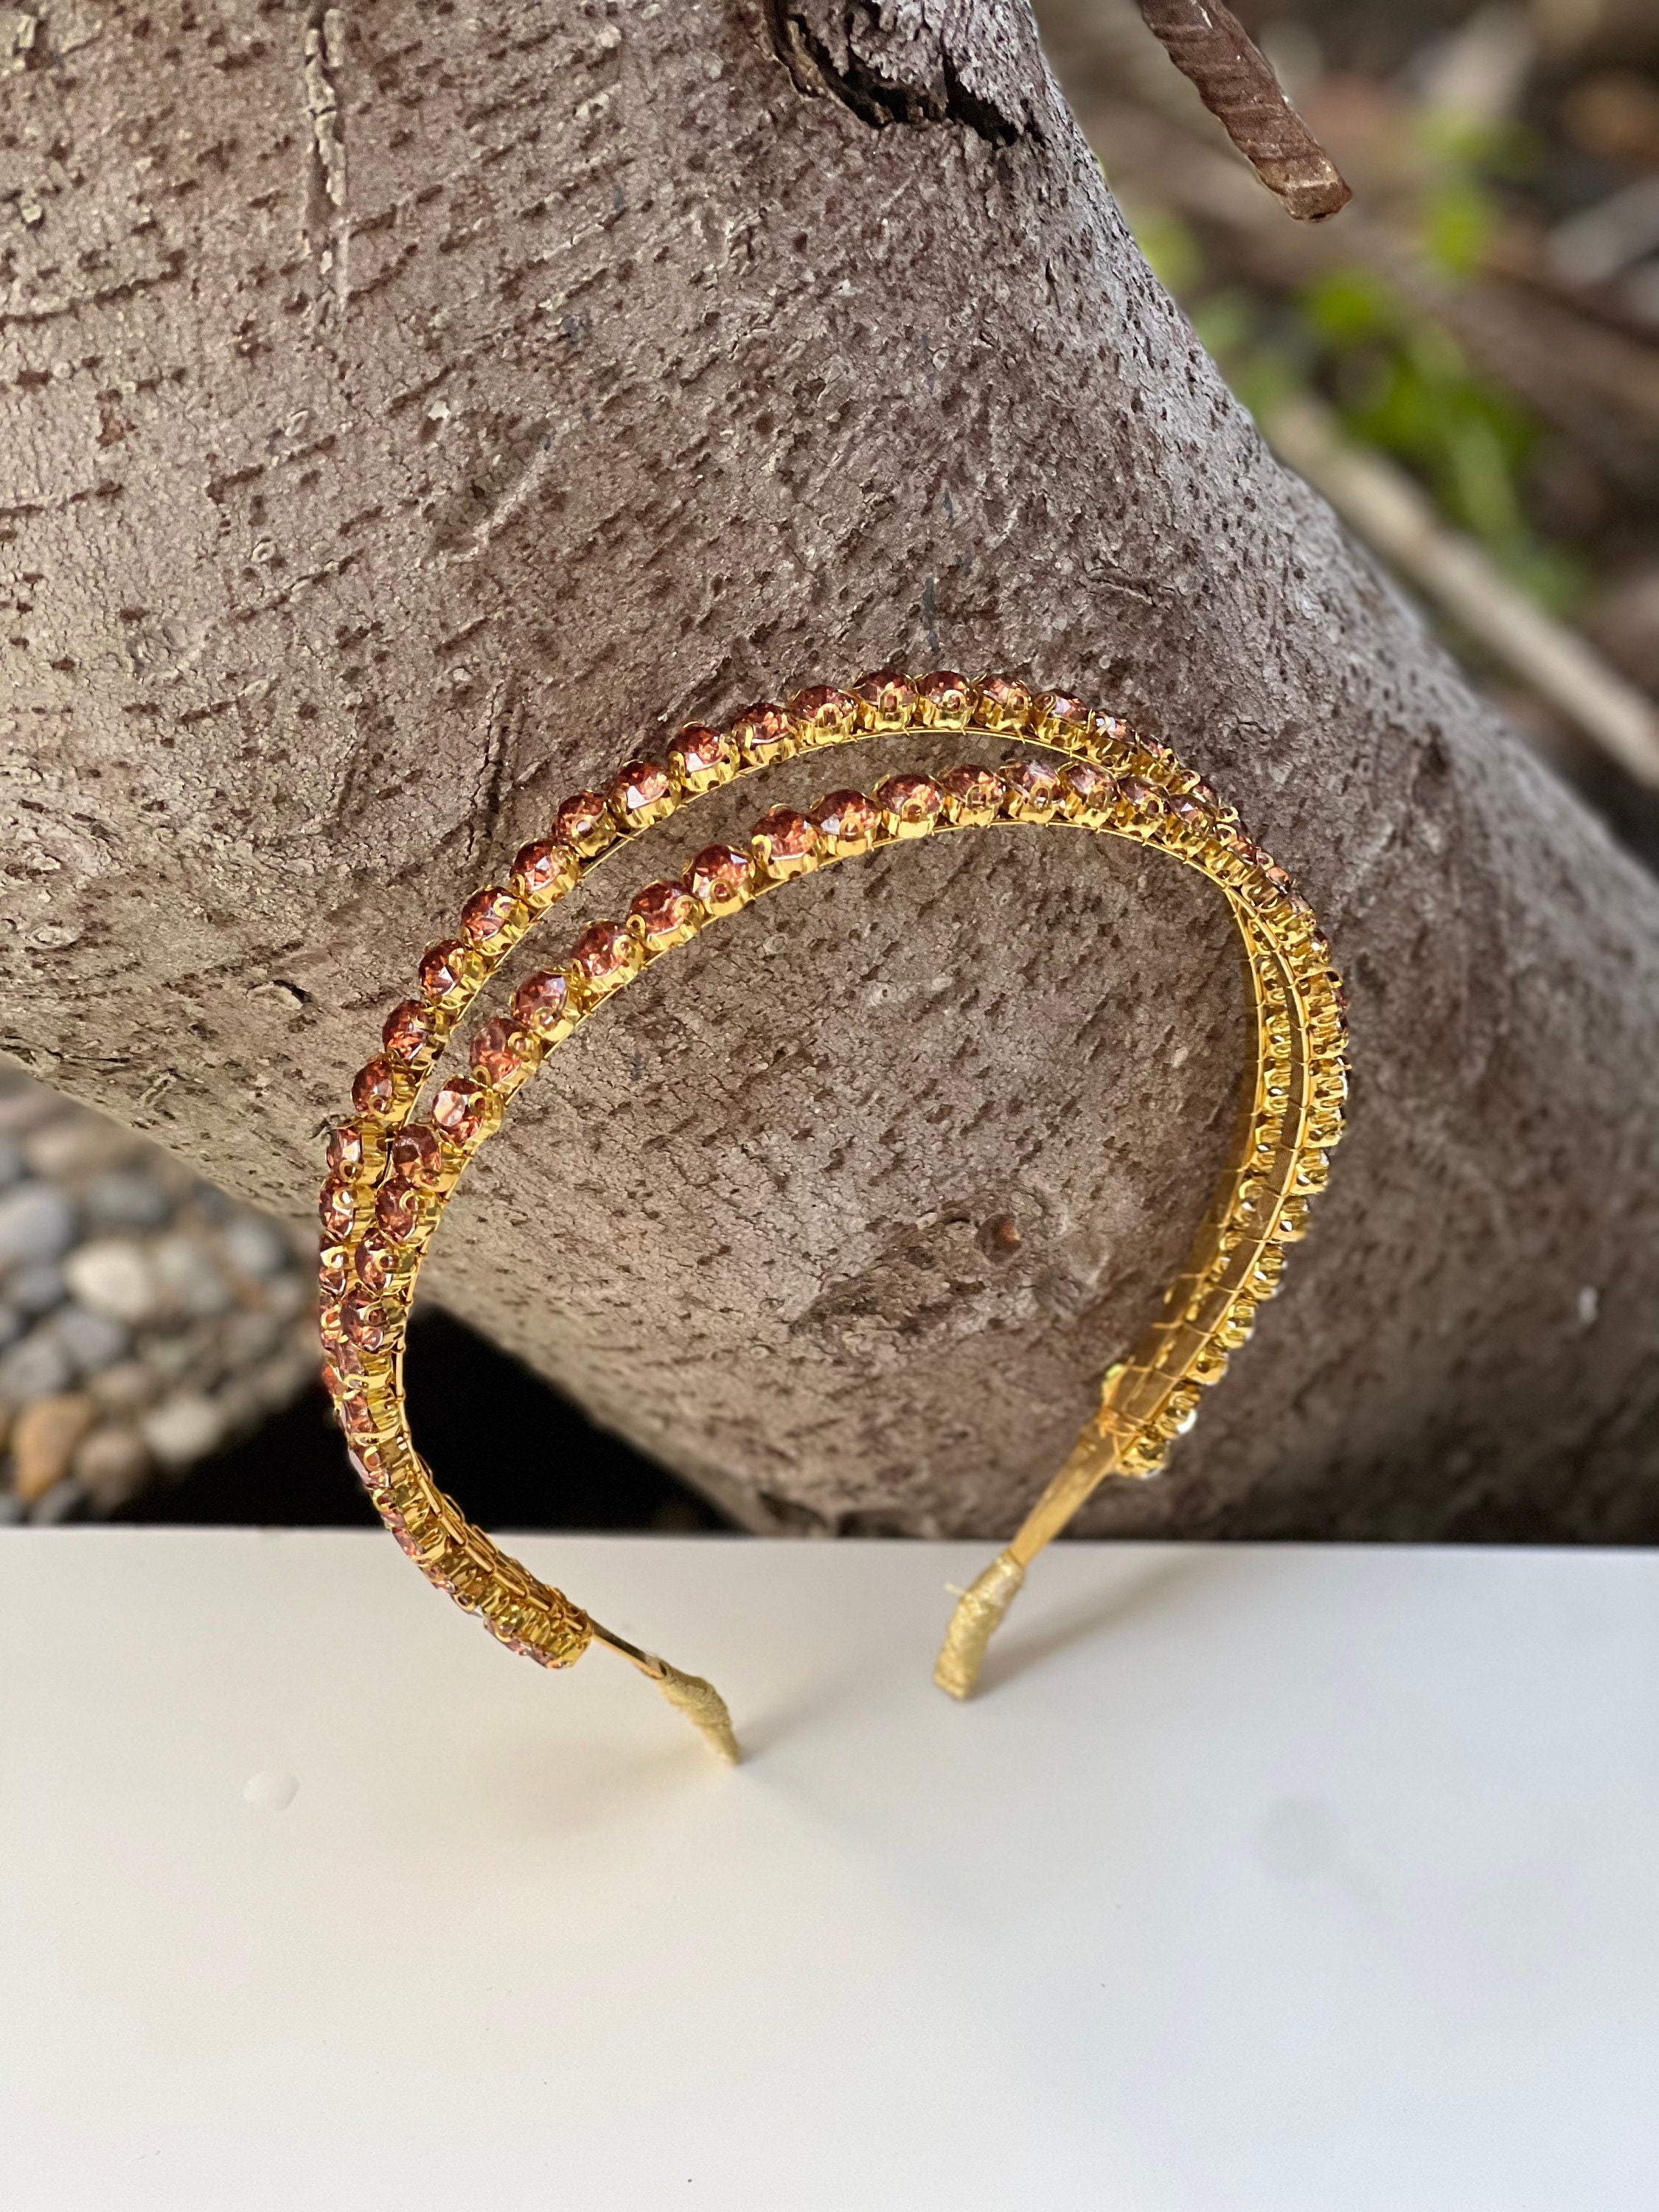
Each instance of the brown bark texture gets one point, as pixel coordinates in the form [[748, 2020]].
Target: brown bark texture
[[408, 413]]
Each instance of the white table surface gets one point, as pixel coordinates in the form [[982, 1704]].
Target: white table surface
[[1302, 1880]]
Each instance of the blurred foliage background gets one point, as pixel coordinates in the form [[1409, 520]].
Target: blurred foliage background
[[1466, 360]]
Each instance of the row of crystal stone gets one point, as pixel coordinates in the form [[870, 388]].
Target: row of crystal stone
[[386, 1181], [1283, 1165]]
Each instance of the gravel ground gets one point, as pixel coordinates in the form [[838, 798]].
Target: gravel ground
[[146, 1320]]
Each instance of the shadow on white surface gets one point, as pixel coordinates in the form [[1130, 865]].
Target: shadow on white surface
[[1172, 1574], [1255, 1880]]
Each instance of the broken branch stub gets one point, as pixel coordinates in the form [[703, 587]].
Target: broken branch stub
[[1209, 46]]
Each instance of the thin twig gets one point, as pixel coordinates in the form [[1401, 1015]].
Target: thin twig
[[1208, 44], [1382, 504]]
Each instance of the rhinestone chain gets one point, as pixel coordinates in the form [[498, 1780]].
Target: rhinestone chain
[[391, 1174]]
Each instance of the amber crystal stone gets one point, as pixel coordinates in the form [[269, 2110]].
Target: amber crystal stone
[[785, 843], [1195, 820], [397, 1212], [604, 956], [450, 972], [410, 1029], [910, 805], [350, 1361], [1001, 702], [1112, 735], [1143, 799], [972, 796], [364, 1321], [357, 1418], [542, 1004], [503, 1054], [463, 1109], [333, 1269], [944, 700], [368, 1465], [375, 1262], [1036, 793], [328, 1321], [846, 822], [884, 699], [702, 758], [1059, 719], [664, 915], [823, 715], [586, 824], [1155, 758], [761, 734], [341, 1370], [1090, 794], [417, 1155], [643, 794], [375, 1088], [721, 879], [344, 1152], [493, 918], [544, 872]]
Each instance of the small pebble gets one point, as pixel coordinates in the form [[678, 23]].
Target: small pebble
[[37, 1288], [126, 1387], [185, 1317], [75, 1144], [91, 1340], [26, 1108], [112, 1463], [176, 1354], [43, 1441], [34, 1367], [113, 1276], [174, 1177], [64, 1498], [248, 1336], [241, 1405], [127, 1198], [284, 1378], [190, 1277], [255, 1247], [289, 1295], [37, 1222], [182, 1428]]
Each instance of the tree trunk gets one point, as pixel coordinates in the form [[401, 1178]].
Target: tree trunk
[[408, 414]]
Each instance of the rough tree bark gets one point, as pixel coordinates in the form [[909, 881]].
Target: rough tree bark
[[408, 412]]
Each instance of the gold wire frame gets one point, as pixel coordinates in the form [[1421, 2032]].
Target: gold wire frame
[[392, 1173]]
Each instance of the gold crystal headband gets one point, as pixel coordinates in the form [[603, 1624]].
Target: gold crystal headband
[[391, 1174]]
